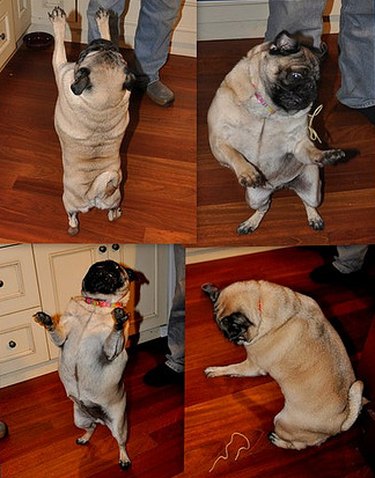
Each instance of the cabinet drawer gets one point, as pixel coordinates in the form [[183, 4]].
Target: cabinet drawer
[[18, 283], [7, 40], [22, 342]]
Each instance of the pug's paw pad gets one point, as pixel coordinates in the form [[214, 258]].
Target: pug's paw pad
[[251, 179], [246, 227], [333, 156], [43, 319], [120, 316], [114, 214], [124, 465], [57, 15], [81, 441], [317, 224], [102, 15]]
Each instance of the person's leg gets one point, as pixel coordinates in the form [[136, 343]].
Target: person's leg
[[346, 267], [350, 258], [296, 15], [152, 39], [117, 6], [357, 55], [172, 370]]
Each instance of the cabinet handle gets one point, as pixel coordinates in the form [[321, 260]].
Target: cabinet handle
[[2, 36], [115, 247], [102, 249], [12, 344]]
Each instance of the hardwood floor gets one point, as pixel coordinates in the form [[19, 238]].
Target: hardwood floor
[[215, 408], [158, 153], [41, 441], [349, 188]]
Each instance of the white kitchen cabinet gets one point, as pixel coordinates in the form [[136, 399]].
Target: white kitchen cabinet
[[7, 36], [21, 16]]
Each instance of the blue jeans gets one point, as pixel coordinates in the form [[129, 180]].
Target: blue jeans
[[153, 34], [356, 40], [176, 325]]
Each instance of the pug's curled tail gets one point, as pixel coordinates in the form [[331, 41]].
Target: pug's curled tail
[[354, 404], [104, 185]]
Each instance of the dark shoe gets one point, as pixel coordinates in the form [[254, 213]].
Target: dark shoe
[[163, 375], [160, 93], [369, 113], [328, 273]]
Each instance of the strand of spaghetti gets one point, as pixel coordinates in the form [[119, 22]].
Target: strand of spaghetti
[[226, 455], [312, 132]]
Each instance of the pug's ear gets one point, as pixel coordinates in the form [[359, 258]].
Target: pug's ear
[[81, 81], [129, 80], [211, 290], [284, 44], [132, 275]]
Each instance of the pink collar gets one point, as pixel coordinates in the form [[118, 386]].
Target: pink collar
[[101, 303], [262, 101]]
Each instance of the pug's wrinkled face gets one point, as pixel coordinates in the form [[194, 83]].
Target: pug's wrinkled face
[[107, 280], [234, 324], [101, 67], [292, 72]]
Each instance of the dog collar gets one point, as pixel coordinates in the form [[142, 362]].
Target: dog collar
[[101, 303], [260, 99]]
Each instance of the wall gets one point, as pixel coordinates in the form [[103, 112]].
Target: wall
[[225, 19]]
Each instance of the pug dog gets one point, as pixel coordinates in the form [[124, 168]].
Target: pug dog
[[286, 335], [91, 116], [258, 127], [91, 336]]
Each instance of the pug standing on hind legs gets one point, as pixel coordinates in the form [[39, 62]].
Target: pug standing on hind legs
[[91, 116], [258, 127], [91, 336]]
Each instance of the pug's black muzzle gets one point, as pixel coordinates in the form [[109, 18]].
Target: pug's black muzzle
[[294, 94], [234, 327]]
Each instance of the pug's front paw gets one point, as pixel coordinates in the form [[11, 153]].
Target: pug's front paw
[[44, 319], [251, 178], [212, 372], [57, 15], [332, 156], [120, 316]]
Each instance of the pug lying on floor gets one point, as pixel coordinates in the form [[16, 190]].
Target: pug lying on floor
[[91, 335], [286, 335], [91, 116], [258, 127]]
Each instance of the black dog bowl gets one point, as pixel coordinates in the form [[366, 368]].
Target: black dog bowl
[[38, 40]]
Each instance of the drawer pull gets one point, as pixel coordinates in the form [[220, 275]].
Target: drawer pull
[[1, 283], [102, 249], [12, 344], [2, 36], [115, 247]]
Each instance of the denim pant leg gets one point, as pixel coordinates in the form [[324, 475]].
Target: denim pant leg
[[357, 53], [153, 35], [116, 6], [176, 325], [296, 15], [350, 258]]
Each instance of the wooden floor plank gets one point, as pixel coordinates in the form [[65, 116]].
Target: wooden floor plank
[[349, 188], [215, 408], [158, 154], [42, 435]]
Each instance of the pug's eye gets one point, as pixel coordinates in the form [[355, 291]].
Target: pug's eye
[[295, 76]]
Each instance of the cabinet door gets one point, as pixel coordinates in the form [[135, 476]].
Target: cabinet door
[[22, 342], [18, 282], [61, 268], [7, 37], [22, 16]]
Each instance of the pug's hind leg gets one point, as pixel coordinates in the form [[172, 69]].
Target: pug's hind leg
[[73, 223], [259, 199], [82, 420], [247, 174], [114, 214], [85, 438], [243, 369], [102, 20]]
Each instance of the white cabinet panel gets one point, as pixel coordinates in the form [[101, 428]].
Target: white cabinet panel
[[22, 16], [18, 282], [22, 342], [7, 37]]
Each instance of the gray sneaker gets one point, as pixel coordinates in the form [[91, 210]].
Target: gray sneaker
[[160, 93]]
